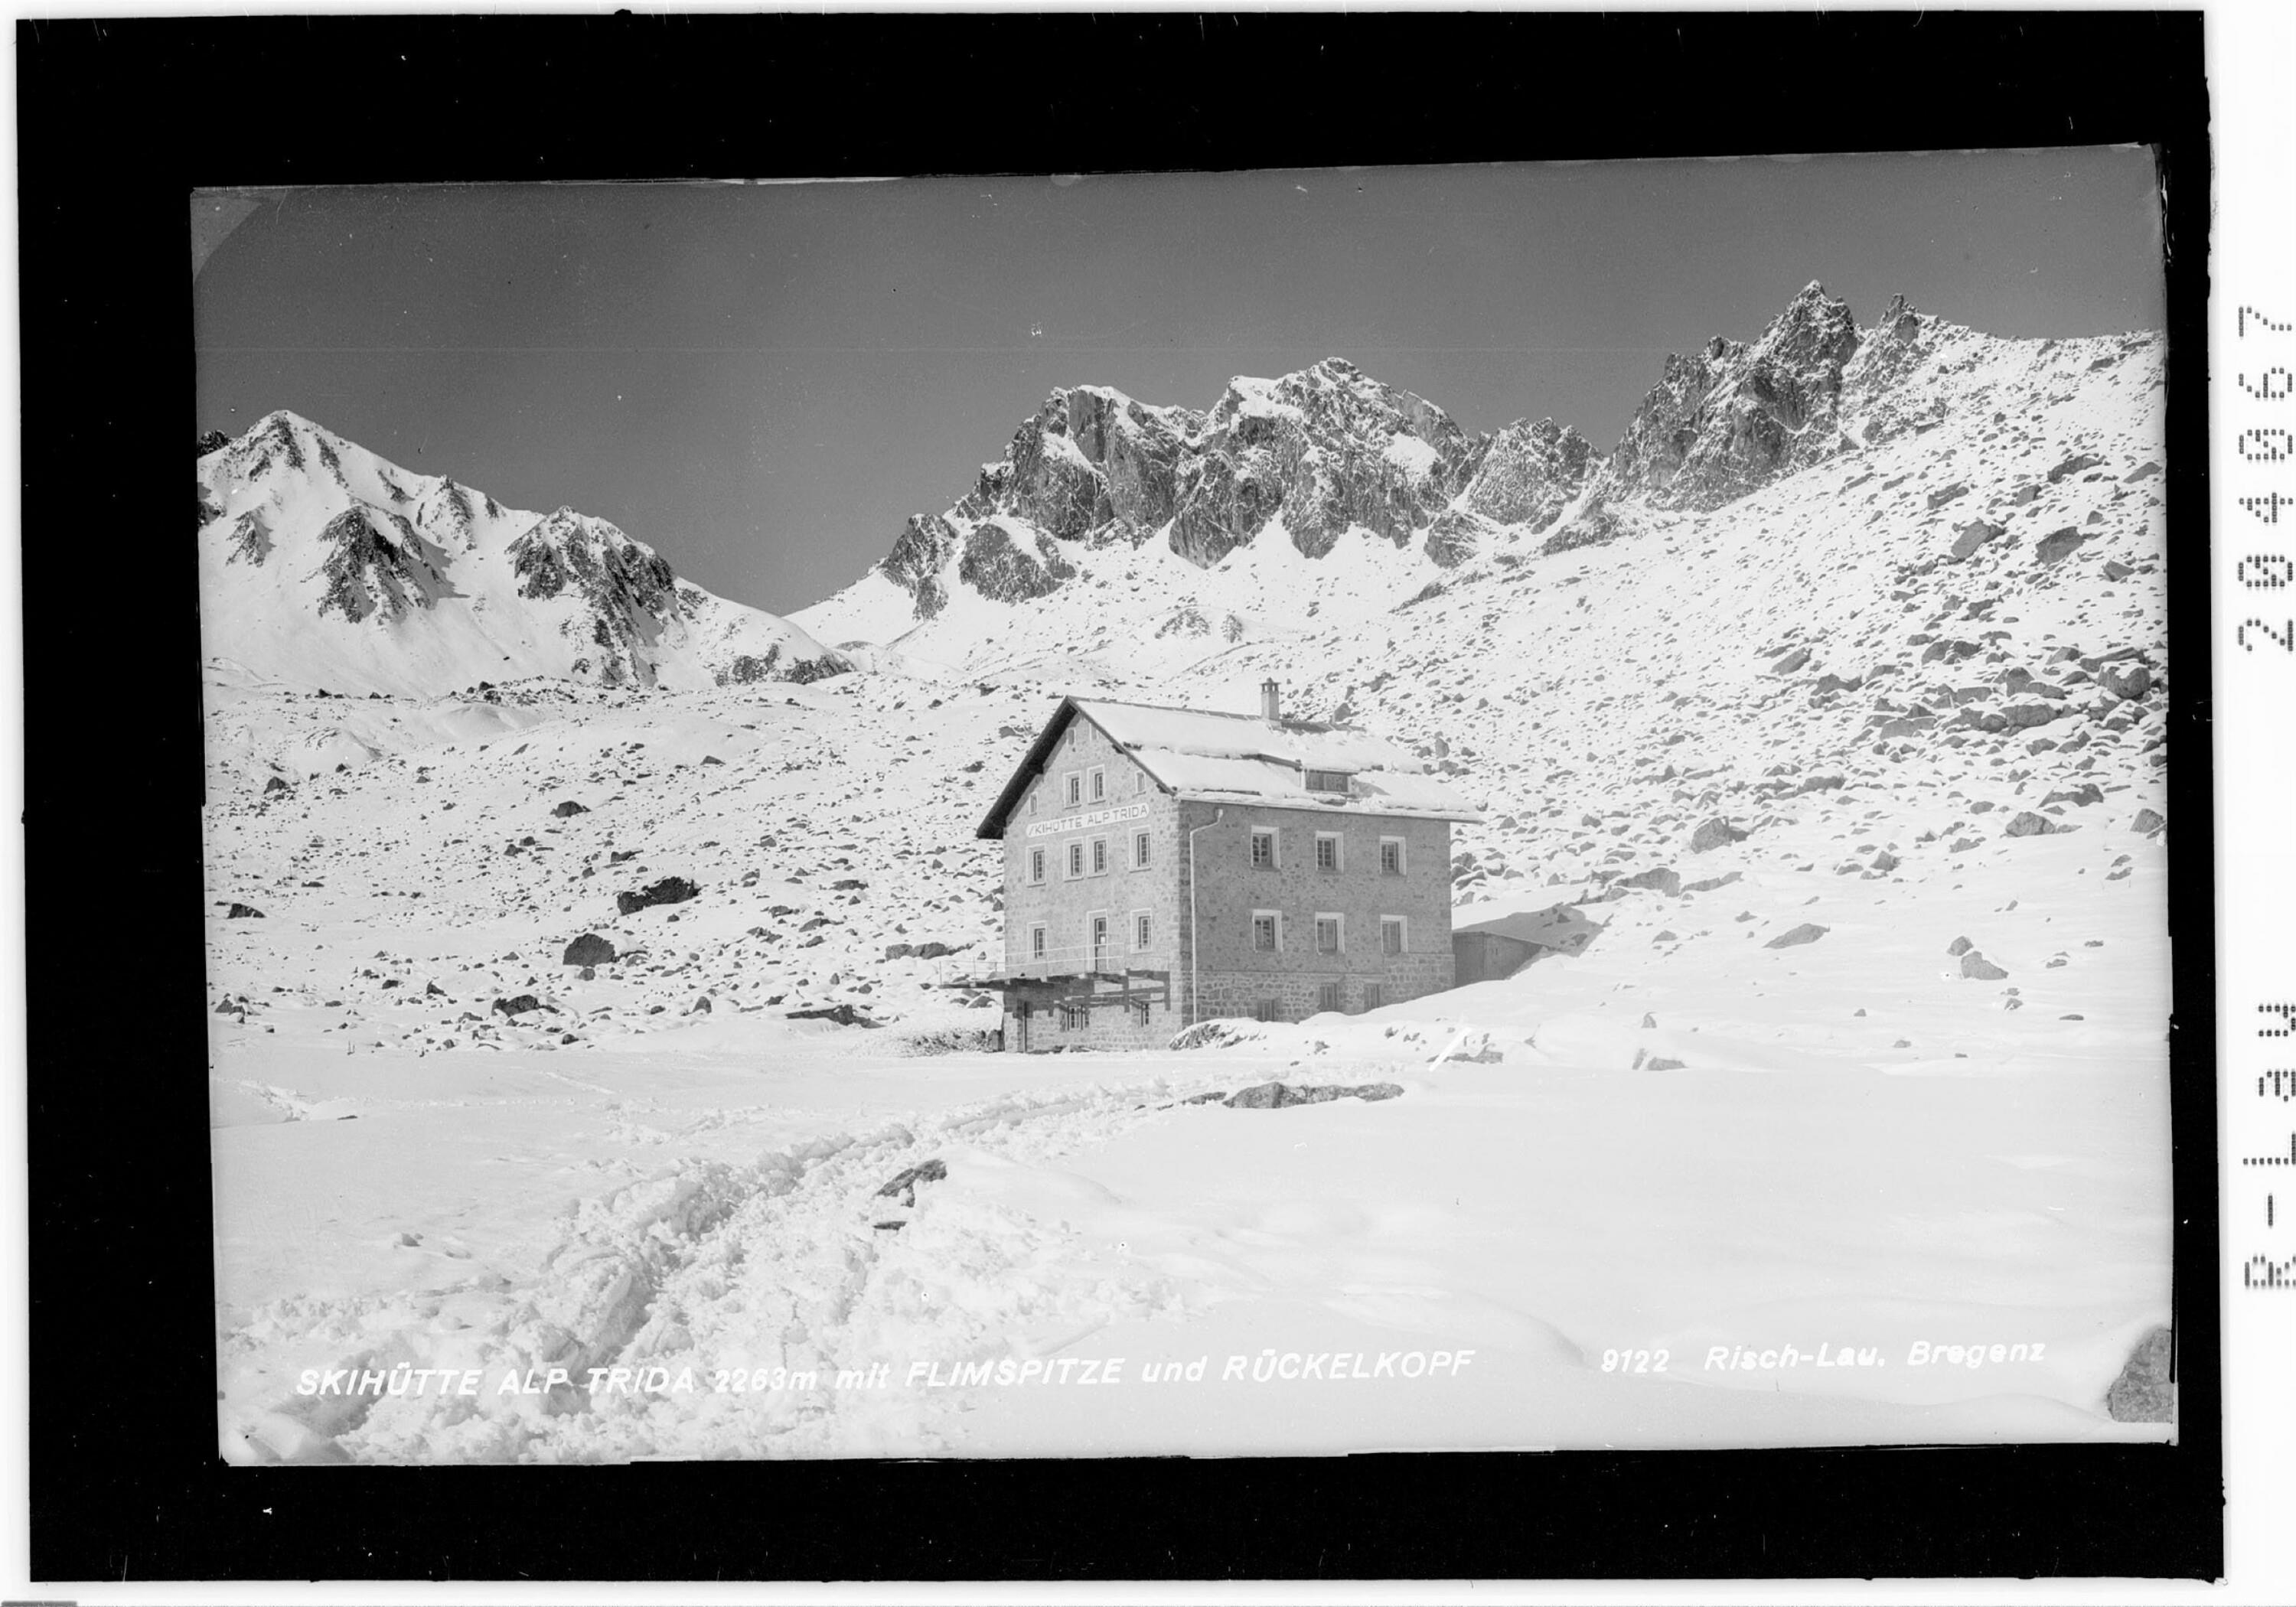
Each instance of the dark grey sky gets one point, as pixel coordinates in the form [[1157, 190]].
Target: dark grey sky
[[764, 382]]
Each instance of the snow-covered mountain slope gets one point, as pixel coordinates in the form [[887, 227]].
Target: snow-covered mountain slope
[[1854, 747], [322, 565], [1956, 620], [1121, 539]]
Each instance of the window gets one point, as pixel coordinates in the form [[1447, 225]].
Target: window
[[1099, 774], [1100, 855], [1390, 934], [1263, 850], [1266, 929], [1329, 929], [1096, 926], [1075, 1018], [1074, 787], [1036, 865], [1390, 856], [1076, 858], [1265, 1010], [1327, 851], [1140, 781], [1327, 781], [1139, 1008], [1327, 996], [1139, 850], [1374, 995], [1035, 942], [1141, 927]]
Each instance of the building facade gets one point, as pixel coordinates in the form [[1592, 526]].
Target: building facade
[[1168, 866]]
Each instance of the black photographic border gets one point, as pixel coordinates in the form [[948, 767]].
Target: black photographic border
[[120, 119]]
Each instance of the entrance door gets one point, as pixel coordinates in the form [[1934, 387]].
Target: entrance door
[[1100, 942], [1020, 1029]]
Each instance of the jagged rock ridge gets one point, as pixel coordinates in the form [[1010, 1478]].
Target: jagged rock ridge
[[1096, 484]]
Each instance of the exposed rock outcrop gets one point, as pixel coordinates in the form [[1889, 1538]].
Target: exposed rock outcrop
[[1732, 417]]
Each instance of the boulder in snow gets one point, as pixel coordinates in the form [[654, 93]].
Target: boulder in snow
[[1274, 1096], [903, 1185], [2058, 545], [1662, 881], [588, 949], [844, 1015], [669, 889], [1973, 535]]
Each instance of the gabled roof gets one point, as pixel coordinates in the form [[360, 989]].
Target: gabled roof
[[1244, 758]]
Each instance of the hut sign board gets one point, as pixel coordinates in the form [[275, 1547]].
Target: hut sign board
[[1098, 817]]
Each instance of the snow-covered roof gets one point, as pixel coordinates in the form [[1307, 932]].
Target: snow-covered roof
[[1216, 757], [1559, 926]]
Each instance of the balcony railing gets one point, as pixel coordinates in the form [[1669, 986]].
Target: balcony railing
[[1110, 959]]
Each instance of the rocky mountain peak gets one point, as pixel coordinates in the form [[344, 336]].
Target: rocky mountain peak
[[1734, 416], [322, 563], [1816, 334], [1314, 452], [1900, 319], [1323, 449]]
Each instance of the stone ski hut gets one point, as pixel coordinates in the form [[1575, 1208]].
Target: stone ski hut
[[1164, 866]]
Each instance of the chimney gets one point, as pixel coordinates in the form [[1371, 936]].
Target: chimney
[[1271, 700]]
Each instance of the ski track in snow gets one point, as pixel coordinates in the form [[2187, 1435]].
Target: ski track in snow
[[712, 1266]]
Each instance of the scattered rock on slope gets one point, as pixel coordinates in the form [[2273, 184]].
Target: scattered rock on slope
[[1714, 834], [1809, 931]]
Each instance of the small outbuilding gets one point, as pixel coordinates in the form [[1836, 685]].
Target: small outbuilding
[[1491, 949]]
